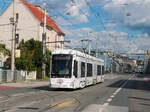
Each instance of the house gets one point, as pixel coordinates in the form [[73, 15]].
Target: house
[[30, 25]]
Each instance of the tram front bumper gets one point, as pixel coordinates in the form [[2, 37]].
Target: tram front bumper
[[65, 84]]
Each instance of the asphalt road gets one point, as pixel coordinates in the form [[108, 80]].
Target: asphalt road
[[119, 93]]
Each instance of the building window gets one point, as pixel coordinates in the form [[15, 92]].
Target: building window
[[82, 69], [89, 70], [98, 69], [75, 72]]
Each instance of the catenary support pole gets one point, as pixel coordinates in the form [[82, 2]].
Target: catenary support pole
[[44, 45]]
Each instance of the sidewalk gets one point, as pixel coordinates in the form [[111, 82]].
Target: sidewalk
[[36, 83]]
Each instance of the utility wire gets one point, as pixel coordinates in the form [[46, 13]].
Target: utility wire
[[66, 18], [98, 16]]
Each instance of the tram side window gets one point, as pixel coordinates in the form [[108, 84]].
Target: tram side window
[[102, 70], [89, 70], [82, 69], [75, 72], [98, 69]]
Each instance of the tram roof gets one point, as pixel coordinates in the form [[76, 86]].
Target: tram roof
[[75, 52]]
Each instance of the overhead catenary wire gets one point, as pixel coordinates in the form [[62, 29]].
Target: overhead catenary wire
[[84, 13], [66, 17], [98, 16]]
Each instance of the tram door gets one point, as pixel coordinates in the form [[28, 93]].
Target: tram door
[[95, 74], [83, 71]]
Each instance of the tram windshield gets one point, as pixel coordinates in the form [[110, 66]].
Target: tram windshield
[[61, 66]]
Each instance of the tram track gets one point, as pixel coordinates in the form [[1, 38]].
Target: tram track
[[55, 100]]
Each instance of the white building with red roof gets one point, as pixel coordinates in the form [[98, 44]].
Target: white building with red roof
[[30, 25]]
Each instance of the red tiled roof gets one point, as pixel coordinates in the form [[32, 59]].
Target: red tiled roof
[[40, 15]]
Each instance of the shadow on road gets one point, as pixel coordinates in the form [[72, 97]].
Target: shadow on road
[[138, 98], [47, 88], [132, 84], [28, 108], [144, 104]]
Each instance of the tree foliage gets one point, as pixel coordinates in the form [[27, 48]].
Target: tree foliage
[[32, 57], [3, 50]]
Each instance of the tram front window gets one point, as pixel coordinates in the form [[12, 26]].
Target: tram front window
[[61, 66]]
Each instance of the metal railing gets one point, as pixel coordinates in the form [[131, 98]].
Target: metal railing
[[5, 76]]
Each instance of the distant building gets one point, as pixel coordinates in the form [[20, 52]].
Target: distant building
[[147, 63], [30, 25]]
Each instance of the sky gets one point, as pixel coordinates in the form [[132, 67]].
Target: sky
[[121, 26]]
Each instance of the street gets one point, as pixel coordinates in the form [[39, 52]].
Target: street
[[98, 49], [119, 93]]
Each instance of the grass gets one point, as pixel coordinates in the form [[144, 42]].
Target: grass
[[46, 78]]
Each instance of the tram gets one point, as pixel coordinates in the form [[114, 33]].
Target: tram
[[74, 69]]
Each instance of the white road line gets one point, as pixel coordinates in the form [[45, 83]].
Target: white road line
[[114, 93], [112, 96], [118, 90], [109, 100]]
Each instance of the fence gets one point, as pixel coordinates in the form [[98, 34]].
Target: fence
[[5, 76]]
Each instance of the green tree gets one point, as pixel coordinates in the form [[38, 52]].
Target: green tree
[[3, 50], [32, 57]]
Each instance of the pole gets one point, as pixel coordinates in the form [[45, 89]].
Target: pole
[[13, 50], [112, 65], [96, 50], [105, 61], [89, 46], [13, 44], [44, 45]]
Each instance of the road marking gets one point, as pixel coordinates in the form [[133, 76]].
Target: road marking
[[66, 104], [109, 100], [112, 96], [63, 103], [115, 93]]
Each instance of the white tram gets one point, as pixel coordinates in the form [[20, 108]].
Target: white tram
[[74, 69]]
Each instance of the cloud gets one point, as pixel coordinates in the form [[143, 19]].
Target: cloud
[[133, 14], [110, 25]]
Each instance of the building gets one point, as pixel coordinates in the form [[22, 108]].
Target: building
[[30, 25]]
